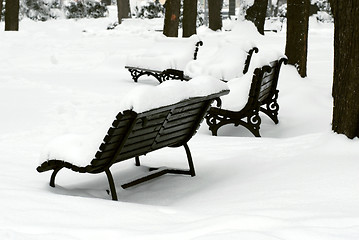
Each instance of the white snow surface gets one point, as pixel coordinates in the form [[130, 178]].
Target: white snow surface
[[298, 181]]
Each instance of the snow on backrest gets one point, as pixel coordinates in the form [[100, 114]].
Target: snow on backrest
[[165, 53]]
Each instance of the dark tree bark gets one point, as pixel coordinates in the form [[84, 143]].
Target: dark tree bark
[[123, 10], [297, 34], [126, 11], [0, 9], [189, 18], [214, 14], [346, 67], [257, 14], [172, 14], [12, 15], [232, 8]]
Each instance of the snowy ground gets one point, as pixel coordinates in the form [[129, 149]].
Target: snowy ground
[[299, 181]]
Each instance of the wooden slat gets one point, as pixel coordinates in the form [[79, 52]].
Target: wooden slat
[[166, 137], [121, 122], [113, 138], [185, 114], [267, 79], [169, 142], [150, 129], [137, 145], [263, 95], [132, 154], [188, 107], [266, 86], [109, 146], [149, 122], [101, 161], [177, 127], [186, 119], [102, 154], [116, 131], [140, 138]]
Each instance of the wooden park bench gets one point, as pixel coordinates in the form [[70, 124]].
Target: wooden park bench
[[263, 95], [160, 75], [134, 134], [178, 74]]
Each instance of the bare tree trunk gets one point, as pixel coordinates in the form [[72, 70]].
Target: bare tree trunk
[[123, 10], [119, 11], [126, 12], [257, 14], [346, 67], [297, 34], [270, 8], [189, 18], [172, 14], [12, 15], [214, 14], [0, 8]]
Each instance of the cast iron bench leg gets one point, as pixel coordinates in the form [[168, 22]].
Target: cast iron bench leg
[[190, 161], [53, 176], [112, 185]]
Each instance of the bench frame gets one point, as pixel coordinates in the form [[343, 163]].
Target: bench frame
[[134, 134], [262, 97]]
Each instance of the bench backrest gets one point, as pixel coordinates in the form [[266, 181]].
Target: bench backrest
[[264, 82], [135, 134]]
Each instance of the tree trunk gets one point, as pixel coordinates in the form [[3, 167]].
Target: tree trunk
[[0, 9], [126, 12], [12, 15], [297, 34], [346, 67], [270, 8], [119, 11], [231, 8], [123, 10], [189, 17], [257, 14], [214, 14], [172, 14]]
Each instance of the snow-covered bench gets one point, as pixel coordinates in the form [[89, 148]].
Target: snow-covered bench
[[166, 53], [243, 104], [170, 120], [226, 63], [172, 59], [230, 60]]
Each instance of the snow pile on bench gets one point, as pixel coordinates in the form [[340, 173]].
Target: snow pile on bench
[[166, 53], [225, 63], [80, 148]]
